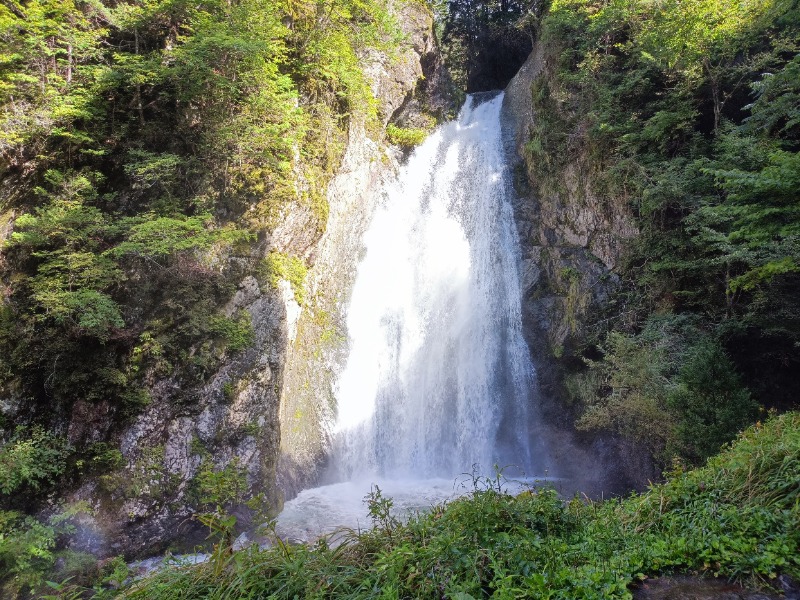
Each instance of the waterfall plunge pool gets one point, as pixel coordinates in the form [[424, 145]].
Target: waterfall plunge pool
[[336, 509]]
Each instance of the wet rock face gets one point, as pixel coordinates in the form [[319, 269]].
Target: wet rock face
[[148, 505], [394, 78], [696, 588], [572, 238], [320, 349]]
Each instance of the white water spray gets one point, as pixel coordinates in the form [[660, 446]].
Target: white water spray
[[438, 377]]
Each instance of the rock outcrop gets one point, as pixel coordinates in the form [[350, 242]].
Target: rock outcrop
[[572, 240], [265, 404]]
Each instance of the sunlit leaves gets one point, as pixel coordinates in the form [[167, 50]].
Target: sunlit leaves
[[164, 236], [32, 458], [777, 105]]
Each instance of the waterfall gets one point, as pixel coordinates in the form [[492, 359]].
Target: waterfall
[[438, 377]]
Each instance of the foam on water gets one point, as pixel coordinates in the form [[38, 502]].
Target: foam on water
[[342, 506]]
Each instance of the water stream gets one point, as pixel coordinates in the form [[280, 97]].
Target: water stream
[[439, 380]]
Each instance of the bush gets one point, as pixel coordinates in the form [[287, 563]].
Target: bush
[[737, 517], [671, 388], [710, 400], [32, 460], [27, 547], [406, 138]]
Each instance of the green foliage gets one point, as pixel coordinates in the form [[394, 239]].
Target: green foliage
[[484, 42], [627, 391], [99, 457], [167, 236], [229, 390], [406, 138], [672, 388], [32, 459], [685, 115], [80, 575], [237, 333], [147, 478], [218, 488], [143, 143], [379, 509], [737, 518], [279, 266], [72, 277], [709, 398], [27, 547]]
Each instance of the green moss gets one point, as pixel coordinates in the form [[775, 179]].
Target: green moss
[[279, 266], [405, 137], [252, 429], [228, 390], [236, 333]]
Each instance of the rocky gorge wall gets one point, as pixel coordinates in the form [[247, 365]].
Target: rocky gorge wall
[[262, 414], [266, 412], [572, 240]]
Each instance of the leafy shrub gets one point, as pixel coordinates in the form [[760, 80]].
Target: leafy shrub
[[32, 460], [710, 401], [684, 117], [672, 388], [737, 517], [626, 391], [27, 547]]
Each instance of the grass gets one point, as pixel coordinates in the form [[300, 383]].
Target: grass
[[738, 517]]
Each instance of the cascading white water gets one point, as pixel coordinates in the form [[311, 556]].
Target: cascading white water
[[439, 377]]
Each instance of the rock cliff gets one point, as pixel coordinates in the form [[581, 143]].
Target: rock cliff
[[572, 240], [265, 406]]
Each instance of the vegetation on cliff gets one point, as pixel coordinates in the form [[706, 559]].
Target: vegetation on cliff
[[686, 113], [148, 149], [141, 144]]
